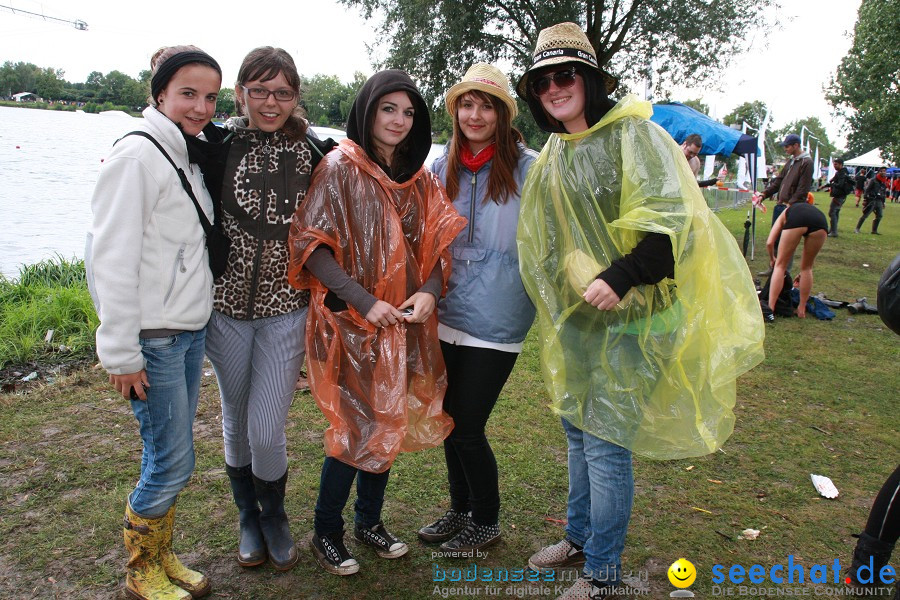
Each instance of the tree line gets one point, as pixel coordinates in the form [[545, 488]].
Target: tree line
[[663, 41], [326, 99]]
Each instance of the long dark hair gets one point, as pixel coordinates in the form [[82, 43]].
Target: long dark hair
[[264, 64], [501, 181]]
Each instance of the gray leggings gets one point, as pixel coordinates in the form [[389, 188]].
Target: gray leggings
[[257, 364]]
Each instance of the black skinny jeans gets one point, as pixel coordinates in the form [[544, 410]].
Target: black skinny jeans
[[475, 378], [884, 518], [876, 206], [334, 491]]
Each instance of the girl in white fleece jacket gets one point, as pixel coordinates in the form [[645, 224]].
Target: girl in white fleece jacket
[[150, 279]]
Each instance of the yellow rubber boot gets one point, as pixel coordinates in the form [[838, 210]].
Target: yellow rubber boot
[[145, 578], [194, 582]]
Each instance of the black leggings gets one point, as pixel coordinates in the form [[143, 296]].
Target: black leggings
[[884, 518], [475, 378]]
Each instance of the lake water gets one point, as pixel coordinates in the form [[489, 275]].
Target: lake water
[[49, 163]]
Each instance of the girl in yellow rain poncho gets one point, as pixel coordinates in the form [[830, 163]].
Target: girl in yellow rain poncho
[[370, 240], [656, 374], [646, 310]]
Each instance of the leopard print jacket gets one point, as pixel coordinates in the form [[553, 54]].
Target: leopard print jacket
[[266, 179]]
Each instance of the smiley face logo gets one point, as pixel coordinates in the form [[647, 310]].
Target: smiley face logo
[[682, 573]]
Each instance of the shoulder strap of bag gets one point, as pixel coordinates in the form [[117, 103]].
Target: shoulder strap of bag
[[204, 221]]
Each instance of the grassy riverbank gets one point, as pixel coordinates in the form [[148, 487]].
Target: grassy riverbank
[[824, 402], [46, 313]]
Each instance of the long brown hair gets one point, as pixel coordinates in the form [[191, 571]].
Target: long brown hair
[[265, 63], [501, 182]]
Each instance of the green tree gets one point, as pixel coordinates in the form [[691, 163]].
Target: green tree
[[437, 40], [813, 126], [94, 81], [50, 84], [8, 80], [115, 84], [322, 95], [352, 89], [866, 87], [697, 105], [751, 112], [26, 77], [225, 102], [134, 93]]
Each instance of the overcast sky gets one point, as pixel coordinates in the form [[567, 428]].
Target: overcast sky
[[786, 68]]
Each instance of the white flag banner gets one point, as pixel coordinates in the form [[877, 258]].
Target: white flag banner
[[817, 168], [743, 174], [709, 165], [831, 170], [761, 150]]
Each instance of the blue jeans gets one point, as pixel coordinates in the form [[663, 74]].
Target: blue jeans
[[166, 419], [601, 490]]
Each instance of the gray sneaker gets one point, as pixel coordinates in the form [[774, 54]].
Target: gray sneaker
[[444, 528], [561, 555]]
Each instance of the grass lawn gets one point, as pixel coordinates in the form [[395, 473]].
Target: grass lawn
[[824, 401]]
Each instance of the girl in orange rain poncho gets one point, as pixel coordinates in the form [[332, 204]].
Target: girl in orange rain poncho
[[371, 240]]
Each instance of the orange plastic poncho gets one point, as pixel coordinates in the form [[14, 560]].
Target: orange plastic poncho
[[382, 389]]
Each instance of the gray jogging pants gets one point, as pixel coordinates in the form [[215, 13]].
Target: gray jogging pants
[[257, 364]]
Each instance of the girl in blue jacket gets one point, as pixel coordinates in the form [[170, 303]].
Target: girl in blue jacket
[[486, 313]]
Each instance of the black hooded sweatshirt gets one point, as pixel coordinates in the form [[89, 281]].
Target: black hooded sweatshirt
[[411, 153], [409, 156]]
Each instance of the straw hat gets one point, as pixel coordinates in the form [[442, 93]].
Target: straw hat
[[564, 43], [484, 78]]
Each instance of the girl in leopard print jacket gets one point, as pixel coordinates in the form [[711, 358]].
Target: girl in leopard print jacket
[[256, 334]]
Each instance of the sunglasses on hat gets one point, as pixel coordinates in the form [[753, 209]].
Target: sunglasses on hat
[[562, 79]]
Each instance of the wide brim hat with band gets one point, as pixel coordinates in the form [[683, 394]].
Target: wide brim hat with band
[[484, 78], [564, 43]]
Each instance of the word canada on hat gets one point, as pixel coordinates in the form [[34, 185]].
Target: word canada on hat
[[550, 53]]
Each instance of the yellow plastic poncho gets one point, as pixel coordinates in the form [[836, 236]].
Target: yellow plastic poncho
[[657, 374]]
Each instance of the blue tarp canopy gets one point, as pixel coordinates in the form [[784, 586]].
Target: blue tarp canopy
[[681, 121]]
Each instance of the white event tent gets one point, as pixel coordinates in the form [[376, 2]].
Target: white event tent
[[872, 158]]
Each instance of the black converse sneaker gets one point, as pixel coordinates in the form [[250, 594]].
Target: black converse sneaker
[[331, 553], [444, 528], [385, 544], [472, 537]]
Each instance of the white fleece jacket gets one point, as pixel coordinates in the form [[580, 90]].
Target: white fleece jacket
[[146, 251]]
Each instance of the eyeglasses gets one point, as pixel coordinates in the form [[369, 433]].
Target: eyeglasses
[[259, 93], [562, 79]]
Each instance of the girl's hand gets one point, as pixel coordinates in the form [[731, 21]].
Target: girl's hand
[[383, 314], [601, 296], [131, 381], [422, 303]]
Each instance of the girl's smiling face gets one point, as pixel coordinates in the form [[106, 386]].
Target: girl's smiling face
[[566, 104], [477, 120], [189, 100], [392, 123], [270, 114]]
